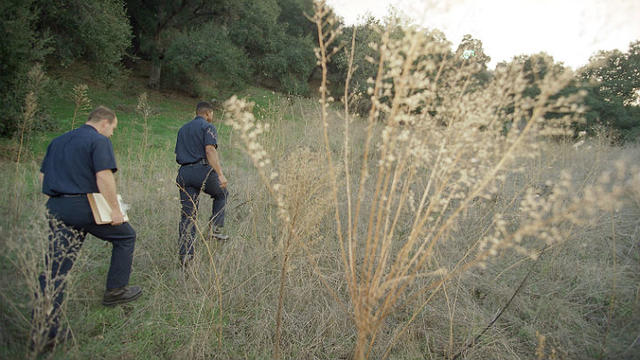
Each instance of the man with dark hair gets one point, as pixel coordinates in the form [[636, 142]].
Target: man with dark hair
[[200, 169], [78, 162]]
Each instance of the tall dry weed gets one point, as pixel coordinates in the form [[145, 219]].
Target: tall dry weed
[[82, 103], [144, 110], [299, 186], [29, 249], [36, 80], [445, 142]]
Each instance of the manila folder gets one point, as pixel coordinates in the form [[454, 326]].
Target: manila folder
[[101, 209]]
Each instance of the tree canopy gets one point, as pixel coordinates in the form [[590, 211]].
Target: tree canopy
[[231, 41], [612, 83]]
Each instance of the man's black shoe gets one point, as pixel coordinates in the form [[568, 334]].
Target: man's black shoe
[[217, 234], [121, 295]]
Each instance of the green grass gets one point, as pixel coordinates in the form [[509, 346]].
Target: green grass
[[169, 110]]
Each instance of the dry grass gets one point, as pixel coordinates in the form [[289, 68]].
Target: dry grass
[[443, 151], [226, 306]]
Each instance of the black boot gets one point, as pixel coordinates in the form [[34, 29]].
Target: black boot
[[121, 295], [215, 233]]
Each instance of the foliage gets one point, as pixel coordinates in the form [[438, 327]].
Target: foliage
[[95, 31], [290, 65], [201, 54], [157, 22], [612, 83], [237, 39], [293, 17], [282, 55], [22, 45], [470, 54], [534, 67]]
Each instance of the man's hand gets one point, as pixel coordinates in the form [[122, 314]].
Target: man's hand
[[214, 162], [107, 187], [223, 181], [116, 217]]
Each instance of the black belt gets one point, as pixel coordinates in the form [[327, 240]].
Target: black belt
[[201, 161], [69, 195]]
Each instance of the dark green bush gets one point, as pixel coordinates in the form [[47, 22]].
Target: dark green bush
[[95, 31], [291, 64], [20, 48], [202, 54]]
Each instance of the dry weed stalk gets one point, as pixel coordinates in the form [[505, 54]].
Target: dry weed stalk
[[30, 108], [239, 115], [445, 141], [144, 109], [81, 101], [39, 265], [298, 187], [36, 79]]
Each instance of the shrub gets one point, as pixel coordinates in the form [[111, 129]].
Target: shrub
[[204, 53], [94, 31], [21, 47]]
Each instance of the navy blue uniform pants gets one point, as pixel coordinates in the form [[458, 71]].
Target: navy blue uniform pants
[[70, 219], [191, 180]]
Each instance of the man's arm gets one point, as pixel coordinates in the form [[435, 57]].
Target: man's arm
[[214, 161], [107, 187], [41, 177]]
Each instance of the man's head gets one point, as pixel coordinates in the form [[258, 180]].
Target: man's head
[[205, 109], [104, 120]]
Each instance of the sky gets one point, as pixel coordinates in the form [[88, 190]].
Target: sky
[[569, 30]]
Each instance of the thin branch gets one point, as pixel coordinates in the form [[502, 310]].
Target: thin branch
[[470, 344]]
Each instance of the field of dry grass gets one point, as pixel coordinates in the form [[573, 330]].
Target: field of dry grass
[[579, 299]]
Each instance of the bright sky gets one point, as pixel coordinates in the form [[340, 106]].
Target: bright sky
[[569, 30]]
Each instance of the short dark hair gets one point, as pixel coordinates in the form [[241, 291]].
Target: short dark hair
[[203, 107], [100, 113]]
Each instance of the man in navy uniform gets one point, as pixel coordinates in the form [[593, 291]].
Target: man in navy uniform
[[200, 169], [78, 162]]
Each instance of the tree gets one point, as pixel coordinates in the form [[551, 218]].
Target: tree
[[611, 81], [470, 54], [21, 46], [157, 22], [96, 31], [367, 34], [201, 54], [282, 56], [293, 17], [276, 54]]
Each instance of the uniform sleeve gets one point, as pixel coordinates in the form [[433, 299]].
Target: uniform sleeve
[[210, 136], [103, 156], [45, 160]]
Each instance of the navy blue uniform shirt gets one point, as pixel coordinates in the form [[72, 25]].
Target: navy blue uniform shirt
[[73, 159], [192, 138]]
